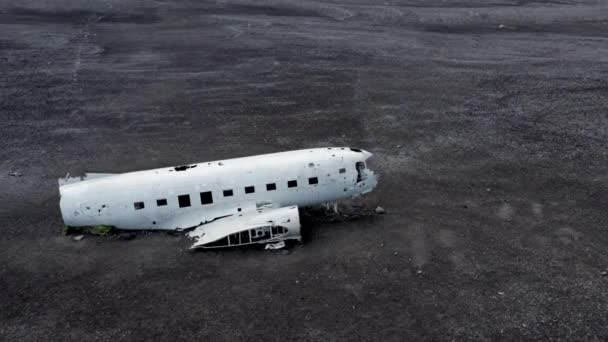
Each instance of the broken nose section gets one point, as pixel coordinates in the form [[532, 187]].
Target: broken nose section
[[371, 181]]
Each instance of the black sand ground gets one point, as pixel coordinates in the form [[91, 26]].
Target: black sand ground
[[488, 120]]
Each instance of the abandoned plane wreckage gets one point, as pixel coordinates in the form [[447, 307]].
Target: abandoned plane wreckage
[[226, 203]]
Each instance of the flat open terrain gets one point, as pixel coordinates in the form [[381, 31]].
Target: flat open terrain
[[489, 124]]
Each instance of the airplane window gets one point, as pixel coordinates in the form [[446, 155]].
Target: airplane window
[[313, 180], [342, 170], [271, 187], [184, 201], [206, 197], [161, 202], [228, 193], [292, 183], [138, 205], [249, 189], [274, 230]]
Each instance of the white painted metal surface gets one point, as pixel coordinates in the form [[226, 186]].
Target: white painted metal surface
[[220, 196]]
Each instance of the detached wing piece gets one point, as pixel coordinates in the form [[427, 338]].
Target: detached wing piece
[[262, 226]]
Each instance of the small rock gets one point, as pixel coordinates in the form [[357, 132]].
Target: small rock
[[380, 210], [488, 189], [15, 174], [382, 245], [78, 237], [285, 251], [604, 273], [396, 253], [501, 26], [398, 146], [501, 293], [419, 272]]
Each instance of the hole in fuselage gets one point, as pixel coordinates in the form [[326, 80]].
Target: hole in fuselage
[[184, 167], [360, 166]]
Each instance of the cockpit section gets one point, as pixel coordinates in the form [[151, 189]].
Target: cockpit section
[[366, 179]]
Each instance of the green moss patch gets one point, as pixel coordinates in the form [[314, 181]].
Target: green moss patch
[[102, 230], [69, 230]]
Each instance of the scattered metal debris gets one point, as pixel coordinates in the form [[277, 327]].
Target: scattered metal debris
[[15, 174], [275, 245], [78, 237]]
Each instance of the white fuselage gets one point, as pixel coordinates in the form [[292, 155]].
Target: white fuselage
[[186, 196]]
